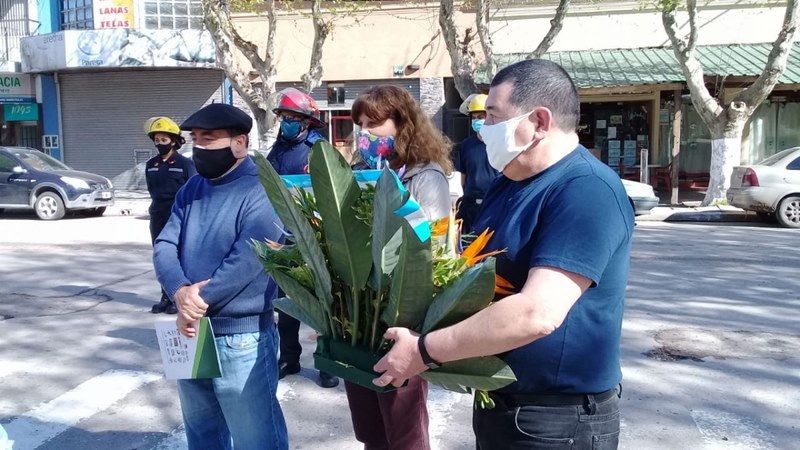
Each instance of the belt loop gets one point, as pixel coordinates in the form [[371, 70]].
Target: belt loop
[[590, 405], [619, 393]]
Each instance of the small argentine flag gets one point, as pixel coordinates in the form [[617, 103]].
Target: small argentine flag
[[412, 212]]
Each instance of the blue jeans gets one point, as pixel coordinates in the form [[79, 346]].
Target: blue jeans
[[241, 407], [592, 426]]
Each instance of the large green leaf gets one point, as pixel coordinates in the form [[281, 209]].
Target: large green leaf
[[411, 292], [386, 230], [486, 373], [469, 293], [301, 304], [337, 192], [294, 221]]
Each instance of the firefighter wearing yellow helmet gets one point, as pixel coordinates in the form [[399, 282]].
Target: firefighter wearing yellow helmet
[[165, 173], [470, 159]]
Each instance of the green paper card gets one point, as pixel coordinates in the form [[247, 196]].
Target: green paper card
[[188, 358]]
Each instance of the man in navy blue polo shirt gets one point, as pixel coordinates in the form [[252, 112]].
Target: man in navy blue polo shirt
[[470, 159], [566, 224]]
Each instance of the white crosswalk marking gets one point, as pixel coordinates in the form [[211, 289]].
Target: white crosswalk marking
[[49, 419], [177, 439], [728, 431]]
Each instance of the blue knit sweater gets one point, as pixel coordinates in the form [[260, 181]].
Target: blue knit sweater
[[208, 238]]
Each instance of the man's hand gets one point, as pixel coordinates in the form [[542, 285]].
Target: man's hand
[[186, 327], [403, 360], [190, 305]]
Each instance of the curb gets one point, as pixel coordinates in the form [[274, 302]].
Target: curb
[[136, 203]]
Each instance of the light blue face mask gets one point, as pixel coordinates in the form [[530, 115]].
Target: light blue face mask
[[291, 128], [477, 124]]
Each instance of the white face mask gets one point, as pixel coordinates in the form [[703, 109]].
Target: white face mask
[[501, 143]]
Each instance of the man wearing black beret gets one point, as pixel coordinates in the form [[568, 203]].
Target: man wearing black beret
[[204, 261]]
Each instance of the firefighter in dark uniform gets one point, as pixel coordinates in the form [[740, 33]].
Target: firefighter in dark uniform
[[470, 159], [299, 118], [165, 174]]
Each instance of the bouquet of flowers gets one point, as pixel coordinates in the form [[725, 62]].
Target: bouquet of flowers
[[360, 258]]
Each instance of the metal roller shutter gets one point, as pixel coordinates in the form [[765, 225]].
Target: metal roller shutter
[[103, 115]]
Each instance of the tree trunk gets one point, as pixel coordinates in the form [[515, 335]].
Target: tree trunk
[[313, 77], [676, 146], [725, 123], [461, 57], [556, 23], [726, 151]]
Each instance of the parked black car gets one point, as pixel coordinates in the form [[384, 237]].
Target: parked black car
[[30, 179]]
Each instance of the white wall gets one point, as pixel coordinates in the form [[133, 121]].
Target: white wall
[[629, 25]]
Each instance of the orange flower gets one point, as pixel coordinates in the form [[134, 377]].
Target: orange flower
[[502, 286], [473, 252], [274, 245], [439, 228]]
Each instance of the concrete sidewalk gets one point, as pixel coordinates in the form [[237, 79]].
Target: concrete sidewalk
[[689, 212], [129, 203], [135, 203]]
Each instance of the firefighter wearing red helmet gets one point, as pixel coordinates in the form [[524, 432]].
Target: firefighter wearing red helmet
[[299, 118]]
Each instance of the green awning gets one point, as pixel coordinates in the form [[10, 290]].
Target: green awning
[[638, 66]]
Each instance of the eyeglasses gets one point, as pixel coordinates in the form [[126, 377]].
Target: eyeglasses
[[288, 119]]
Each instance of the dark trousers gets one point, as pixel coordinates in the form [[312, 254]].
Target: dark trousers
[[158, 220], [592, 426], [468, 209], [396, 420], [289, 330]]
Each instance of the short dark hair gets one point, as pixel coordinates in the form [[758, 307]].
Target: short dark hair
[[540, 82]]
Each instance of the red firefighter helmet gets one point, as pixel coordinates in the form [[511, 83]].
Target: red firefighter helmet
[[297, 101]]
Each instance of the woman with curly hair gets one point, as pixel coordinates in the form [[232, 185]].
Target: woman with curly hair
[[394, 131]]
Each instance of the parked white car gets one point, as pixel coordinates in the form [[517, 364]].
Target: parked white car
[[641, 195], [771, 187]]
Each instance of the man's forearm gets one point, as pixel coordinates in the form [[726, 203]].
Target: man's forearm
[[505, 325], [517, 320]]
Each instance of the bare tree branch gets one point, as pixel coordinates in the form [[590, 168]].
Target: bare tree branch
[[313, 77], [706, 105], [461, 59], [691, 6], [776, 62], [482, 24], [228, 41], [556, 23]]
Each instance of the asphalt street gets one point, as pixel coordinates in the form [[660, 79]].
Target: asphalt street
[[711, 344]]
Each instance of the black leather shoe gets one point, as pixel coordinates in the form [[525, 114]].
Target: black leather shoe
[[171, 308], [327, 380], [161, 306], [285, 368]]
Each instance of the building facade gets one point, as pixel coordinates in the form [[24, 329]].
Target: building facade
[[94, 70], [617, 52], [106, 66]]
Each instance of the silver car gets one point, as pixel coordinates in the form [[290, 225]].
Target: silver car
[[642, 196], [771, 187]]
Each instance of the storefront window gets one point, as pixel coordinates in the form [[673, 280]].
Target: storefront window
[[615, 133], [76, 15], [174, 15], [695, 144], [772, 128], [343, 133]]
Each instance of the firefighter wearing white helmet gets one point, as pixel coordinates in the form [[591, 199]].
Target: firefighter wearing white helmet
[[470, 159], [165, 173]]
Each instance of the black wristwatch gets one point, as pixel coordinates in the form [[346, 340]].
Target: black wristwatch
[[426, 358]]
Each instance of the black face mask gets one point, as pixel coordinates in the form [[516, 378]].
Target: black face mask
[[213, 164], [163, 149]]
